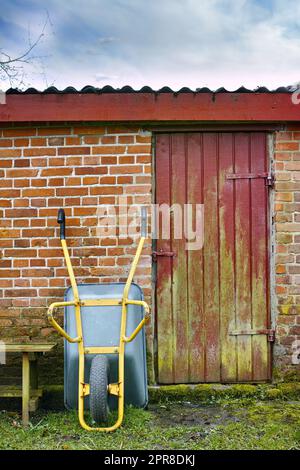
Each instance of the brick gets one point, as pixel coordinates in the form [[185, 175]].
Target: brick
[[107, 180], [106, 190], [143, 158], [138, 149], [38, 162], [80, 211], [18, 213], [295, 330], [99, 170], [292, 166], [124, 179], [126, 159], [22, 162], [91, 140], [39, 152], [71, 191], [111, 139], [37, 272], [54, 182], [283, 156], [289, 146], [21, 142], [122, 130], [38, 142], [126, 139], [74, 150], [21, 293], [6, 143], [22, 173], [294, 269], [5, 203], [294, 227], [88, 180], [82, 130], [39, 183], [9, 233], [112, 160], [147, 139], [73, 140], [128, 169], [20, 243], [53, 131], [56, 171], [21, 183], [18, 253], [285, 197], [56, 141], [7, 153], [56, 161], [141, 189], [9, 273], [19, 132], [108, 150]]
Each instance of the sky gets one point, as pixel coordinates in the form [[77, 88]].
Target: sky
[[193, 43]]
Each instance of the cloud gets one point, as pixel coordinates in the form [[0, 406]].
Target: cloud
[[163, 42]]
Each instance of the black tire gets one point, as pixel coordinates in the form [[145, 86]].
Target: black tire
[[98, 389]]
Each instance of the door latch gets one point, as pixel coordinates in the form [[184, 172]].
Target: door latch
[[268, 177], [169, 254]]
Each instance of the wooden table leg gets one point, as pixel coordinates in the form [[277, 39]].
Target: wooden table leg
[[25, 388], [33, 358]]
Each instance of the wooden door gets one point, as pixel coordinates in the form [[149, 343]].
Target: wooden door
[[212, 304]]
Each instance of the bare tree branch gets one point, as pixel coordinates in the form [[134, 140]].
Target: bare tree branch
[[12, 69]]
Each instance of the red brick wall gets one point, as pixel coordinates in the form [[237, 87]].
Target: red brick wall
[[79, 168], [287, 247]]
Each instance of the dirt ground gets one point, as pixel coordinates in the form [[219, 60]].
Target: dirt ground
[[234, 424]]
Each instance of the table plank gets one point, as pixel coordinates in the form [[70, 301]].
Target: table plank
[[27, 347], [8, 391]]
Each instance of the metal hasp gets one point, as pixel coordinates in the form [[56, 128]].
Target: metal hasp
[[269, 177], [168, 254], [268, 332]]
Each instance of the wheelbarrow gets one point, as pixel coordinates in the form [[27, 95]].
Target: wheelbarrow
[[104, 367]]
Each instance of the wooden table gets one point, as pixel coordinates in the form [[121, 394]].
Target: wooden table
[[29, 391]]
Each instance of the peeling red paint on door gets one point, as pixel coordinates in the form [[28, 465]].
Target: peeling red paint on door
[[212, 304]]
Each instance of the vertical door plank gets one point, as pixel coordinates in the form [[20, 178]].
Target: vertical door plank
[[227, 253], [211, 258], [195, 263], [260, 261], [243, 257], [179, 282], [164, 311]]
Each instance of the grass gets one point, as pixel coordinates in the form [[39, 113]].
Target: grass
[[234, 424]]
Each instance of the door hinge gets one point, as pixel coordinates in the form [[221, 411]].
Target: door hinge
[[169, 254], [269, 177], [268, 332]]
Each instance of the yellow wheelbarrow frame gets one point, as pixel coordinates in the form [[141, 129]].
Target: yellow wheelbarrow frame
[[84, 388]]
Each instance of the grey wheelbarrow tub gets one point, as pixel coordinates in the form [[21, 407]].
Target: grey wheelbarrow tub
[[101, 327]]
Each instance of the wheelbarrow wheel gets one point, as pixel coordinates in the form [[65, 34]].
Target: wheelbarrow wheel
[[98, 389]]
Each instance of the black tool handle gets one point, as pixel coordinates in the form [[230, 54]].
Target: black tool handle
[[61, 219]]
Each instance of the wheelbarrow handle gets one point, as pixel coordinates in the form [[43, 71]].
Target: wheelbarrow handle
[[61, 219], [144, 221], [54, 323]]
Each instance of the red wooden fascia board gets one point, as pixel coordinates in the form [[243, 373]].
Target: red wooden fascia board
[[148, 107]]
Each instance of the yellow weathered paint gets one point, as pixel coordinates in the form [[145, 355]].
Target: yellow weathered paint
[[83, 388]]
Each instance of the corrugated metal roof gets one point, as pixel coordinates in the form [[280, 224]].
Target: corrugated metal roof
[[146, 89]]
